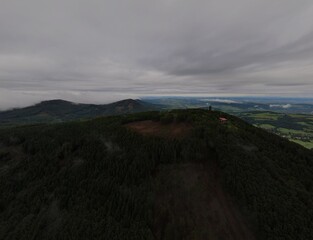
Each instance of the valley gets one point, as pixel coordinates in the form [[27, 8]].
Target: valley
[[295, 127]]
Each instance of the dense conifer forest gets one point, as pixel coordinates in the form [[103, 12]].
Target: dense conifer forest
[[97, 179]]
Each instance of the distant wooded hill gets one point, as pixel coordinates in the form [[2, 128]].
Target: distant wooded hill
[[60, 110]]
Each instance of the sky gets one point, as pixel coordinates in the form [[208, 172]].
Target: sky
[[99, 51]]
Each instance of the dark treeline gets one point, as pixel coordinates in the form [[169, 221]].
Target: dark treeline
[[94, 179]]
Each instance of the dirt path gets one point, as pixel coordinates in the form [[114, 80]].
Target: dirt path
[[191, 204]]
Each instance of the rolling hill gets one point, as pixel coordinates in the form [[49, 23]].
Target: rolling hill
[[60, 110], [179, 174]]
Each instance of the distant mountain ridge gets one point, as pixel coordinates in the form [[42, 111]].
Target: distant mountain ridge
[[60, 110]]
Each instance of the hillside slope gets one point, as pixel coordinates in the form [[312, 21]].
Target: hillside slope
[[60, 110], [106, 179]]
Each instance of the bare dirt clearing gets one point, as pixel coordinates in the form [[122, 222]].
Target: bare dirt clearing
[[153, 128]]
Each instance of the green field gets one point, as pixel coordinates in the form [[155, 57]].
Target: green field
[[266, 116], [266, 126], [308, 145], [297, 128]]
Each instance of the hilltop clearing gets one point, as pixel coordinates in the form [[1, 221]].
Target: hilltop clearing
[[153, 128]]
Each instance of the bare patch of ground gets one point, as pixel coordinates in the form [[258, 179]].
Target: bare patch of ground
[[191, 204], [153, 128]]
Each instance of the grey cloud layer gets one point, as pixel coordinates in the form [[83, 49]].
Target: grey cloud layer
[[99, 51]]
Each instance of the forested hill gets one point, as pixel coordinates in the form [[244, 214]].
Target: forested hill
[[60, 110], [172, 175]]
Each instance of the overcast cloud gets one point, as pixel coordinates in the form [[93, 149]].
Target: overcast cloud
[[104, 50]]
